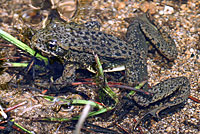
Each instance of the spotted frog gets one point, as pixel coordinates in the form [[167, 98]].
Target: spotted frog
[[76, 43]]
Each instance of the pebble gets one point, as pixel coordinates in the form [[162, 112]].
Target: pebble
[[193, 29], [168, 10], [169, 129], [119, 5], [192, 50], [148, 6]]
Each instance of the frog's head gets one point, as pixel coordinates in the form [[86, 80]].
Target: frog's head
[[48, 45]]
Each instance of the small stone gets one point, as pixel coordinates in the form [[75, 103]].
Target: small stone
[[120, 5], [193, 29], [148, 6], [161, 12], [191, 50], [169, 129], [144, 6], [111, 22], [168, 10], [183, 6]]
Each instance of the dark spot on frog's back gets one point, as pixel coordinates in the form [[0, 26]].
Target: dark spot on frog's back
[[109, 35], [80, 33], [98, 48], [121, 44], [116, 47], [118, 54], [94, 37], [103, 52], [124, 52], [99, 34], [103, 45], [72, 40], [87, 33], [108, 50], [93, 32], [74, 44], [87, 42], [85, 38], [112, 40]]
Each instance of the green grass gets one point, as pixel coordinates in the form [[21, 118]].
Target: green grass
[[21, 45]]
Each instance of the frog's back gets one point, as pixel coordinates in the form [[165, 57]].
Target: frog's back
[[81, 39]]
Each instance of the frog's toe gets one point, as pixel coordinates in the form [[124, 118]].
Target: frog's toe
[[154, 113], [144, 119]]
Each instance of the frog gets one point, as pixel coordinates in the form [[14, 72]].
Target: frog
[[76, 44]]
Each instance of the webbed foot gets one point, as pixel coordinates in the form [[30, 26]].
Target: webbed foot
[[143, 119], [153, 113], [68, 76]]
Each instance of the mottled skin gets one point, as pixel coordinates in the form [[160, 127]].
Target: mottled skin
[[76, 44]]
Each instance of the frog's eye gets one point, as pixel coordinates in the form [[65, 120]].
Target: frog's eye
[[52, 45]]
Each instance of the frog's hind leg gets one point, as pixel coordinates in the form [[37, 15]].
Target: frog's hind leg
[[177, 89], [135, 73], [159, 39], [180, 86], [136, 69]]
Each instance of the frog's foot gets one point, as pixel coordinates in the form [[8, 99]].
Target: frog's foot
[[153, 113], [143, 119], [156, 112], [176, 89], [68, 76]]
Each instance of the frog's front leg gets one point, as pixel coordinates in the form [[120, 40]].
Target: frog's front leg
[[68, 76], [177, 88]]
